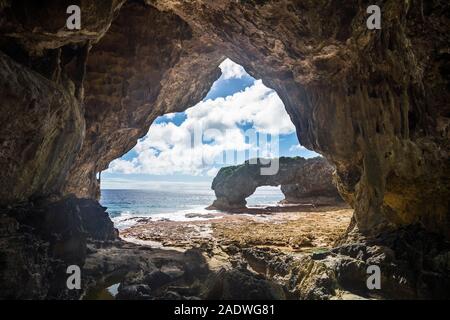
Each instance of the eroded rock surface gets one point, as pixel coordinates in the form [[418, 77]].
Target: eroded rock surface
[[39, 241], [303, 255], [302, 180]]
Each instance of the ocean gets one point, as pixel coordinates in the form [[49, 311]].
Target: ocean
[[171, 201]]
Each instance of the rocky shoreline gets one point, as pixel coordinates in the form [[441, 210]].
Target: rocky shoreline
[[268, 254], [299, 254], [253, 251], [287, 227]]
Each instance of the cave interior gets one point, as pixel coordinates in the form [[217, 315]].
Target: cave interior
[[374, 103]]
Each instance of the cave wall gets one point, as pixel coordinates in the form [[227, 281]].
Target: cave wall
[[149, 63], [374, 103]]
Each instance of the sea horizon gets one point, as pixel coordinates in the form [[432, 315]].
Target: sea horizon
[[124, 205]]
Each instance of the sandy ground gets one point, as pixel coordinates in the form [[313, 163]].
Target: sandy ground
[[287, 228]]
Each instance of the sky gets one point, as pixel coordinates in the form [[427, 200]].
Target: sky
[[240, 118]]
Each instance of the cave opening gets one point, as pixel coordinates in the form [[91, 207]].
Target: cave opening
[[169, 174], [72, 102], [203, 177]]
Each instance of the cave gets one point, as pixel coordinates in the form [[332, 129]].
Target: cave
[[373, 103]]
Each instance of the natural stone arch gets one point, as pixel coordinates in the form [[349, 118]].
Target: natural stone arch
[[361, 98], [302, 180]]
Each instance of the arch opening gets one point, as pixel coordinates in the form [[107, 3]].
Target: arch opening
[[238, 121], [272, 196]]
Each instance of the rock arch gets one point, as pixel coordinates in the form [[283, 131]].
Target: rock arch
[[374, 103], [302, 180]]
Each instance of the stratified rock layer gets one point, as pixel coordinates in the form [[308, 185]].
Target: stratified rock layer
[[301, 180]]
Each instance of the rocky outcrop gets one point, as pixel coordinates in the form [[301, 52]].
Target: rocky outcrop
[[414, 264], [144, 273], [39, 241], [302, 180]]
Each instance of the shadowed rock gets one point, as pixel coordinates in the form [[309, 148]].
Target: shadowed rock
[[39, 241]]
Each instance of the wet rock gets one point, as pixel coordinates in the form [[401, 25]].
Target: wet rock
[[405, 261], [199, 215], [241, 285], [134, 292]]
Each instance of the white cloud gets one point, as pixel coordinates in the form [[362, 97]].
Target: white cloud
[[212, 172], [231, 70], [257, 104], [210, 131], [122, 166], [170, 115], [297, 147]]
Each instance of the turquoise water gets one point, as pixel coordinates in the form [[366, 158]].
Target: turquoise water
[[172, 201]]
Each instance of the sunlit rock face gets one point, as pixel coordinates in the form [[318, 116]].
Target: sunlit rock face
[[302, 181], [374, 103]]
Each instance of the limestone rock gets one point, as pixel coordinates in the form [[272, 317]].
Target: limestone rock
[[41, 132], [301, 180]]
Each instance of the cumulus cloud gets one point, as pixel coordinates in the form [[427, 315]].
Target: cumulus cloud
[[212, 172], [297, 147], [170, 115], [212, 133], [257, 105], [231, 70]]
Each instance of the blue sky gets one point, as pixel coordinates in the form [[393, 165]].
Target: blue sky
[[222, 129]]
